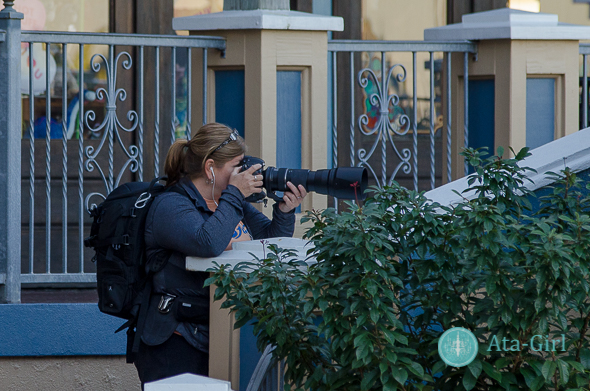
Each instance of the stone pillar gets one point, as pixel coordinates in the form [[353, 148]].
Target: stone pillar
[[262, 39], [10, 154], [516, 49]]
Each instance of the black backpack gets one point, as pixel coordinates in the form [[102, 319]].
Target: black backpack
[[117, 235]]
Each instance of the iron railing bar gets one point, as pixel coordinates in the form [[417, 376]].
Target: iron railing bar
[[385, 102], [81, 155], [352, 125], [173, 97], [157, 121], [585, 91], [415, 119], [141, 115], [124, 39], [189, 72], [466, 107], [47, 161], [31, 161], [449, 141], [64, 135], [432, 114], [205, 86], [110, 129], [401, 46], [334, 121]]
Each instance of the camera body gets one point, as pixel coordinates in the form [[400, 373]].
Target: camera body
[[342, 182]]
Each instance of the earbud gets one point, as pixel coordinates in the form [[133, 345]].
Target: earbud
[[212, 172]]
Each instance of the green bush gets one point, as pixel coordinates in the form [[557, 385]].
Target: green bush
[[394, 274]]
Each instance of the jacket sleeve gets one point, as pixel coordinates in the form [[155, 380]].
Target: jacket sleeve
[[177, 225], [281, 225]]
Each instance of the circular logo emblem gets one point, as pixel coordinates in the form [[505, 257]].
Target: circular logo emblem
[[457, 347]]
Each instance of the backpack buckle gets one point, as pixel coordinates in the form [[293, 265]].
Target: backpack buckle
[[142, 200], [166, 303]]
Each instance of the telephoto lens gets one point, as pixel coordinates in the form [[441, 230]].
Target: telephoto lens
[[347, 183]]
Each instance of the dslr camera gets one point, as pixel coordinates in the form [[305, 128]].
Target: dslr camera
[[347, 183]]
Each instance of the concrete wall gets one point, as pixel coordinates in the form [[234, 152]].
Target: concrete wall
[[62, 347], [568, 11], [100, 373]]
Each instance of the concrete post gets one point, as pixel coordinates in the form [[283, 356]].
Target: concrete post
[[516, 49], [10, 155]]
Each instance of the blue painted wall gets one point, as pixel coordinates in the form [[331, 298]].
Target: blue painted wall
[[59, 330], [229, 99], [249, 354], [540, 111], [481, 114], [289, 119]]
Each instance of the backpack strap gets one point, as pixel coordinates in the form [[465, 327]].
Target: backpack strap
[[134, 336]]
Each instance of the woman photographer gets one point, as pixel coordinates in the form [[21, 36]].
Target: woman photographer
[[203, 212]]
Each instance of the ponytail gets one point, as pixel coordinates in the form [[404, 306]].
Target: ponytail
[[174, 166]]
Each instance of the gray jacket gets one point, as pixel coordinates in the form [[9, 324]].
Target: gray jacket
[[183, 226]]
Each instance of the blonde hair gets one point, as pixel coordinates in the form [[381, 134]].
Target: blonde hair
[[188, 157]]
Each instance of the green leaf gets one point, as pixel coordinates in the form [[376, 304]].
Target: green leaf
[[548, 369], [564, 371], [369, 379], [585, 358], [576, 365], [400, 375], [469, 380], [438, 367], [502, 362], [475, 367], [417, 369], [491, 371], [537, 383], [390, 386]]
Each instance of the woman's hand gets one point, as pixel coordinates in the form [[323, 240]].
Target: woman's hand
[[247, 183], [292, 199]]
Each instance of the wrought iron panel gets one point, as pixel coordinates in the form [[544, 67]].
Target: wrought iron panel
[[78, 174]]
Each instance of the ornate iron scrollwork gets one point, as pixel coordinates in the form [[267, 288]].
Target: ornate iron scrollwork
[[384, 128], [110, 126]]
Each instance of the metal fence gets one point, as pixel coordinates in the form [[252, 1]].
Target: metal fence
[[82, 146], [383, 114]]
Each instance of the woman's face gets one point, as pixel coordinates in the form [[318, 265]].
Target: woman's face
[[223, 174]]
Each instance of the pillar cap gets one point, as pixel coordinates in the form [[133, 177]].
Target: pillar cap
[[259, 20], [506, 23]]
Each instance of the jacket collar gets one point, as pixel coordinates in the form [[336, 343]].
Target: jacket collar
[[193, 193]]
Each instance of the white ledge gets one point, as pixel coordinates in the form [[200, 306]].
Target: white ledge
[[188, 382], [572, 151], [508, 23], [259, 20], [242, 252]]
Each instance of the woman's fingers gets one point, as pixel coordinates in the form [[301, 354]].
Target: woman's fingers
[[299, 192]]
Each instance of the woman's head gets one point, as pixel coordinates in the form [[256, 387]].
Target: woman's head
[[213, 144]]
